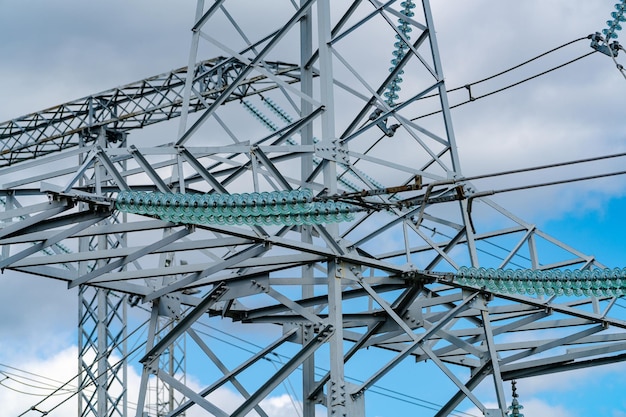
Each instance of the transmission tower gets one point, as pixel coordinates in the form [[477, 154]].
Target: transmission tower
[[303, 193]]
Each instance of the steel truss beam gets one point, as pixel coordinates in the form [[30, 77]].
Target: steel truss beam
[[334, 292], [133, 106]]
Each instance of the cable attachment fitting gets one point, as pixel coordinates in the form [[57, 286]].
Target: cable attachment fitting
[[389, 131], [601, 45], [468, 87]]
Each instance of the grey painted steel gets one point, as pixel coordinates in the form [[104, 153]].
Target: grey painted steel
[[102, 338], [216, 360], [378, 282], [133, 106], [241, 368], [102, 326]]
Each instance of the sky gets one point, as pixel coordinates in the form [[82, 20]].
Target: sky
[[54, 52]]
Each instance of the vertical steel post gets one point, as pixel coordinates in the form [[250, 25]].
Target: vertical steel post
[[101, 332], [306, 50], [173, 363], [493, 356], [336, 392], [191, 65]]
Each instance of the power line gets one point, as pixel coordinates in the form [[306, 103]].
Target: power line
[[546, 166], [109, 367], [545, 184], [525, 62], [15, 378], [27, 372], [32, 394], [549, 183], [474, 98]]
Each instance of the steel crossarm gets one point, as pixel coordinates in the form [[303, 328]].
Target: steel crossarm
[[528, 318], [130, 257], [132, 106]]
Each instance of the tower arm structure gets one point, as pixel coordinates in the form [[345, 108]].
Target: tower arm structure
[[337, 292], [132, 106]]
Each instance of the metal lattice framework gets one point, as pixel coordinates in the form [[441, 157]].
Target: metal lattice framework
[[335, 292], [133, 106], [102, 332]]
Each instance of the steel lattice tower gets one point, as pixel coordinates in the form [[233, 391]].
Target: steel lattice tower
[[291, 103]]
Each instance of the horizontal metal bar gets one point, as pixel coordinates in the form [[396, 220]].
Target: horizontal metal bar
[[218, 266], [131, 257]]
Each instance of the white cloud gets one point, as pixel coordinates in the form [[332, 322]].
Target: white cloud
[[534, 407], [17, 394], [281, 406]]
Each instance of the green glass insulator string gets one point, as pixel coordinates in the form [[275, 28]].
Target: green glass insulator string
[[322, 213], [615, 24], [266, 208], [399, 53], [596, 282], [275, 202], [265, 121], [287, 118], [276, 109]]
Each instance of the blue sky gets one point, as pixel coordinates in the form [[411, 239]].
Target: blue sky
[[54, 52]]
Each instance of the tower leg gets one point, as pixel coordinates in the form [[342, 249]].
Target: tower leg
[[102, 346]]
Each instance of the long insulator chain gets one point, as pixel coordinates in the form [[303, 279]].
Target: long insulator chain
[[266, 208], [614, 25], [399, 53], [349, 184], [265, 121], [277, 110], [282, 114], [597, 282]]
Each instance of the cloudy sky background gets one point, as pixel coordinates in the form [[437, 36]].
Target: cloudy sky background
[[52, 52]]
